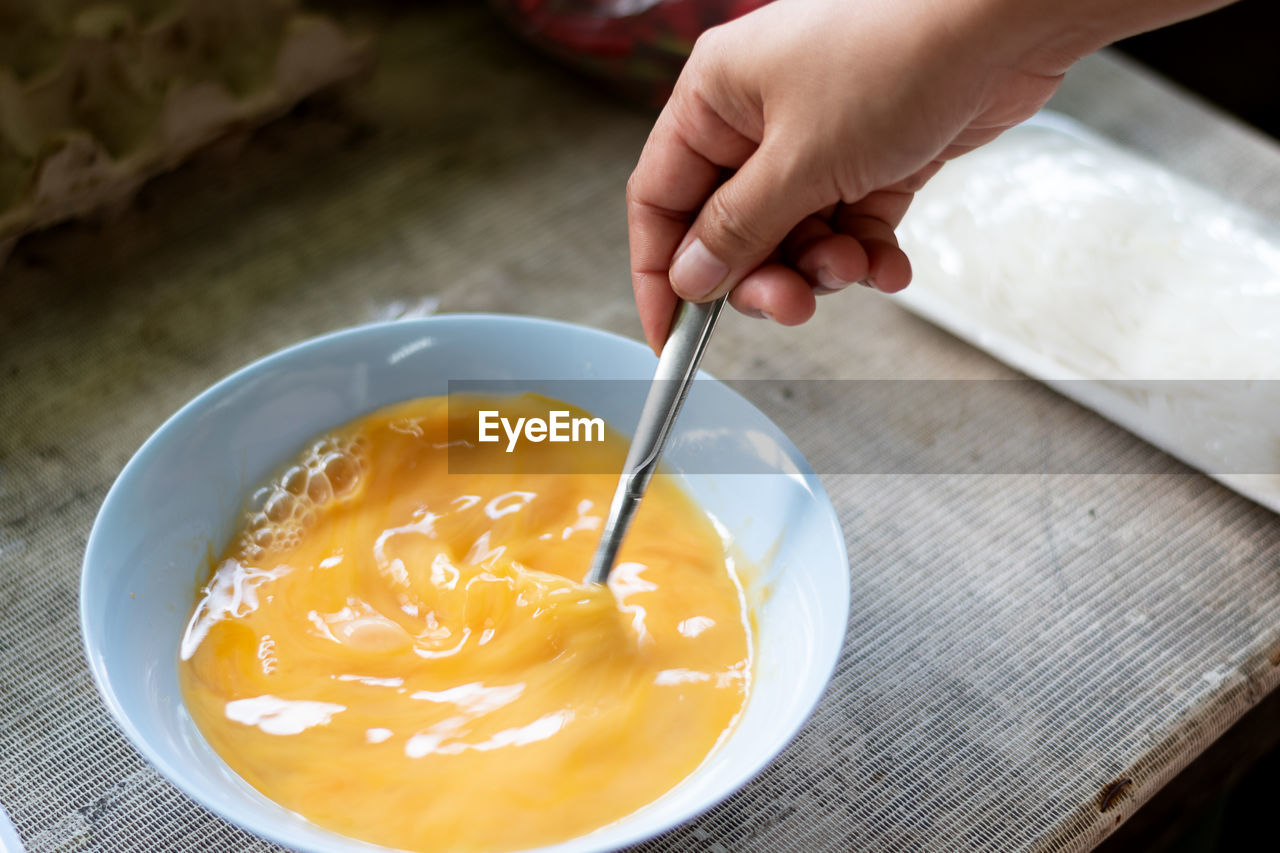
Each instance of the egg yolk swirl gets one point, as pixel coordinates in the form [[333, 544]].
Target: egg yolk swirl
[[407, 655]]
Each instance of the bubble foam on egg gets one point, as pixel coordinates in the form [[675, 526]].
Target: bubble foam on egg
[[329, 470]]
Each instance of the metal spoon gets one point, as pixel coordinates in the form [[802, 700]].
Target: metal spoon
[[677, 365]]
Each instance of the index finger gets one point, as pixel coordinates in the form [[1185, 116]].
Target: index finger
[[682, 163]]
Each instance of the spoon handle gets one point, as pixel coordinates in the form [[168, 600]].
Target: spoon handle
[[677, 366]]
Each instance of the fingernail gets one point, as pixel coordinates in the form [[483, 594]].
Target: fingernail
[[696, 272], [869, 282], [765, 315], [829, 283]]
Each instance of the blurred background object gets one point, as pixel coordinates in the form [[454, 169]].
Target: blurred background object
[[1228, 57], [635, 46], [96, 97]]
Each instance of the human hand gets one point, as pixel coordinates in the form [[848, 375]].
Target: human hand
[[797, 135]]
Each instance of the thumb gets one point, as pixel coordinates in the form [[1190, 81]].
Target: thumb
[[739, 226]]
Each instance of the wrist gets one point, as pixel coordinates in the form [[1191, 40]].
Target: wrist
[[1039, 36], [1049, 36]]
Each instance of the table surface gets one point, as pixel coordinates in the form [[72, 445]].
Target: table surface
[[1017, 642]]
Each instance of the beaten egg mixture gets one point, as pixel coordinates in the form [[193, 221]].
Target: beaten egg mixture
[[408, 656]]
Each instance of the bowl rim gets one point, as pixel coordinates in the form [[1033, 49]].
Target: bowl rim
[[212, 395]]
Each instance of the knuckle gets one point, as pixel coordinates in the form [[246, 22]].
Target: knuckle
[[805, 171], [799, 169], [732, 227], [851, 181], [707, 43], [711, 60], [635, 204]]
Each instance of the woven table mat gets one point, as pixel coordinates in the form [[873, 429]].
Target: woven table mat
[[1018, 641]]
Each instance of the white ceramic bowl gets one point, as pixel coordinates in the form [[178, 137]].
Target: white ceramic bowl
[[180, 497]]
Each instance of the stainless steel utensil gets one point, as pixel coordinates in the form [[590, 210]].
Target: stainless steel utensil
[[677, 365]]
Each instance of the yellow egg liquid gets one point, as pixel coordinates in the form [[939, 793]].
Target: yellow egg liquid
[[408, 656]]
